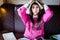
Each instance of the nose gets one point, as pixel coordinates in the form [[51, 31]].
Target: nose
[[35, 9]]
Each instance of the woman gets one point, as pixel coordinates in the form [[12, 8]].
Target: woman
[[34, 15]]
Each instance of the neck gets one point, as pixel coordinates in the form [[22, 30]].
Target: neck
[[35, 16]]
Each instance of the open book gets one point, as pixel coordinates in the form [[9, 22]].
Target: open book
[[9, 36]]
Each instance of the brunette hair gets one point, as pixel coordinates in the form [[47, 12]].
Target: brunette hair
[[40, 14]]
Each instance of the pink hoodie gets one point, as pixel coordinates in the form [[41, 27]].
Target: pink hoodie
[[29, 32]]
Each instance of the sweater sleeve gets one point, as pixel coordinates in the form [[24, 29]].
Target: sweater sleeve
[[48, 13], [22, 13]]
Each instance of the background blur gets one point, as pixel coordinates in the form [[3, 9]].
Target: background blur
[[48, 2], [11, 22]]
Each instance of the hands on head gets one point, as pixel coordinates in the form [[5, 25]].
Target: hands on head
[[38, 1]]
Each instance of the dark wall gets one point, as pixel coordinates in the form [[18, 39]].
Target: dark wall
[[53, 26], [13, 22], [1, 26], [19, 26], [8, 17]]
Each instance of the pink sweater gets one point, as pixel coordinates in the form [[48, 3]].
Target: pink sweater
[[33, 33]]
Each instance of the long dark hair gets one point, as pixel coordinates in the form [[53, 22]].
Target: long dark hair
[[40, 14]]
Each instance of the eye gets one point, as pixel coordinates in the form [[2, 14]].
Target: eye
[[37, 7], [32, 7]]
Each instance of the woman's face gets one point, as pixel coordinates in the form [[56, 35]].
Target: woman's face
[[35, 9]]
